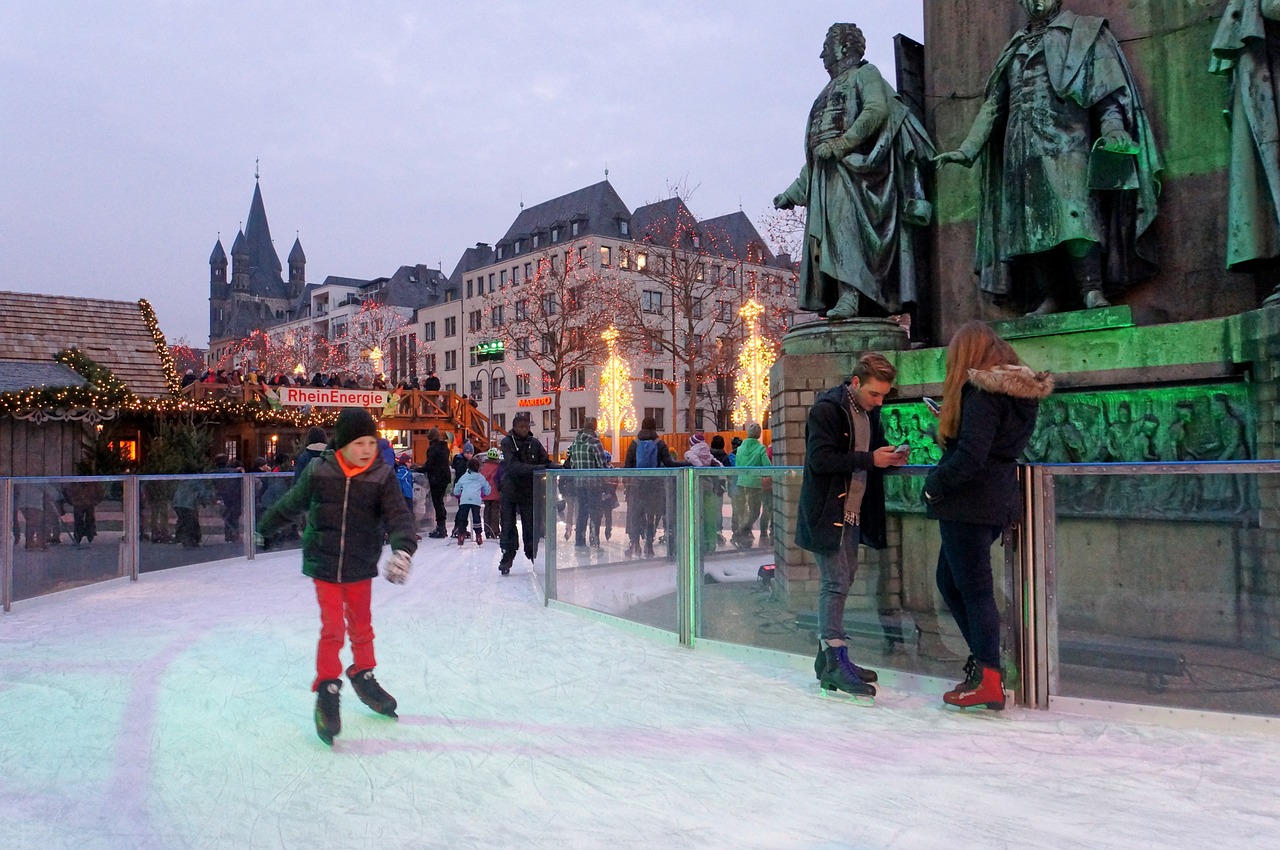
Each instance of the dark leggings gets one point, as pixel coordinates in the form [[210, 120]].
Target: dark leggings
[[966, 585]]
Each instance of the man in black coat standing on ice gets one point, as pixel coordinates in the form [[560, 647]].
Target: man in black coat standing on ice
[[842, 505]]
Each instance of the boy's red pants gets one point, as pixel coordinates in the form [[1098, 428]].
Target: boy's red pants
[[344, 610]]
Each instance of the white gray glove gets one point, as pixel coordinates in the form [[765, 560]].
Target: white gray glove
[[397, 567]]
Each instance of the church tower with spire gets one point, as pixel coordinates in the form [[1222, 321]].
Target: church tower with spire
[[257, 295]]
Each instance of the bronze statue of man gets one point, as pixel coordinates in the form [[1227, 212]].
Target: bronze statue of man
[[1069, 167], [1247, 49], [863, 185]]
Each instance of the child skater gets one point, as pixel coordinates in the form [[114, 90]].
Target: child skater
[[471, 489], [348, 494]]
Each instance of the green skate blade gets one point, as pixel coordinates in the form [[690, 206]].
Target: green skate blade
[[842, 696]]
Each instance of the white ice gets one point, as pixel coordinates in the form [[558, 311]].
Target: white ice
[[175, 712]]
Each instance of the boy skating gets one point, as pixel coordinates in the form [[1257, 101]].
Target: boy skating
[[349, 495]]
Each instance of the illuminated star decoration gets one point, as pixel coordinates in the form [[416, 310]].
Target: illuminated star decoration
[[616, 408]]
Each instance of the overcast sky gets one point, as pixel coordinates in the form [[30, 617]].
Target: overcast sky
[[389, 133]]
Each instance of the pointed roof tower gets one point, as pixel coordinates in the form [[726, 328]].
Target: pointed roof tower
[[257, 234], [239, 247], [296, 255], [219, 256]]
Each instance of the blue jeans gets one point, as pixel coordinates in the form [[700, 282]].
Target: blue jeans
[[835, 573], [966, 585]]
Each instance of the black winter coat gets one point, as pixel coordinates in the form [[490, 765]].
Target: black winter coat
[[976, 480], [436, 465], [345, 519], [522, 458], [829, 460]]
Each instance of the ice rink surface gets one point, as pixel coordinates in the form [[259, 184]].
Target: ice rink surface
[[175, 712]]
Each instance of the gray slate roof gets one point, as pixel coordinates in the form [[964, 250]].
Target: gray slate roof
[[16, 375], [597, 207]]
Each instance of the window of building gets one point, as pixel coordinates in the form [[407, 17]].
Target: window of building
[[429, 361], [471, 358], [577, 416], [697, 308], [528, 270], [450, 295], [451, 388], [498, 387], [429, 332], [477, 390], [450, 361], [546, 420], [549, 305], [519, 246], [606, 256], [642, 261], [522, 348], [535, 240], [515, 275], [474, 320], [624, 258], [500, 250], [495, 317], [491, 279], [502, 278], [624, 227], [578, 378], [653, 380], [555, 234], [548, 344], [651, 301], [659, 417], [450, 326], [500, 421], [470, 293], [724, 311], [522, 310], [573, 229], [522, 385], [582, 256]]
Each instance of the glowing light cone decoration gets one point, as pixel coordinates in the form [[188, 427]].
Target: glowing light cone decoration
[[752, 401], [615, 393]]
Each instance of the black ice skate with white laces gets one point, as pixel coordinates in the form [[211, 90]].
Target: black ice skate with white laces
[[328, 718], [371, 693]]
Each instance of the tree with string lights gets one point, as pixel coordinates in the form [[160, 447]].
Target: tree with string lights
[[554, 319]]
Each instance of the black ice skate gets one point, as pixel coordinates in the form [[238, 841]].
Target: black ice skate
[[371, 693], [840, 679], [328, 719], [866, 674]]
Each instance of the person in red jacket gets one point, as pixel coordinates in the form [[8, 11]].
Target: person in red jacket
[[491, 469]]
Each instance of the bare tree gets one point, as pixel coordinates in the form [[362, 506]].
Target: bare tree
[[366, 339], [684, 314], [553, 320]]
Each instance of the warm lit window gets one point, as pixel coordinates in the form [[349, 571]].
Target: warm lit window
[[606, 256]]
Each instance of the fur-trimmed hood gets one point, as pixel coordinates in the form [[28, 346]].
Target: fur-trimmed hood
[[1015, 381]]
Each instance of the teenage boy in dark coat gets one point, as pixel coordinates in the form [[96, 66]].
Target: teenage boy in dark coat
[[349, 495], [524, 456], [842, 505]]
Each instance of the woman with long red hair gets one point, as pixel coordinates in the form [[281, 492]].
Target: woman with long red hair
[[989, 405]]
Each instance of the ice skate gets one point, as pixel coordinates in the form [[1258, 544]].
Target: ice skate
[[504, 566], [983, 687], [840, 680], [328, 718], [371, 693], [866, 674], [479, 537]]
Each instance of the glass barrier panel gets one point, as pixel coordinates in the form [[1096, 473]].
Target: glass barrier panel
[[183, 521], [1167, 590], [268, 487], [67, 532], [614, 551], [758, 588]]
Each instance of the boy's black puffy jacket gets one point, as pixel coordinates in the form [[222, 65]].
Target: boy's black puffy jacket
[[345, 518]]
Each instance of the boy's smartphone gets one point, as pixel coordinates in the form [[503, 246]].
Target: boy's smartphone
[[932, 405], [903, 449]]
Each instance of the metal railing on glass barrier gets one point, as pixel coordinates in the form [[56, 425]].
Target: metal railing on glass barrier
[[1119, 585]]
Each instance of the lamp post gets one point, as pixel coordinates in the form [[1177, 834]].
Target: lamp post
[[492, 373]]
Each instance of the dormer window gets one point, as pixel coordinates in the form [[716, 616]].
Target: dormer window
[[500, 250], [555, 234], [573, 229], [535, 240], [518, 246], [624, 227]]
